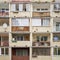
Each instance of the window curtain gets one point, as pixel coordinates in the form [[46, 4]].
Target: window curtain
[[28, 7], [24, 22], [20, 22], [13, 7], [36, 22], [45, 22], [20, 7]]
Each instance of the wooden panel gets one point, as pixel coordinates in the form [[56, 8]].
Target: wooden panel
[[26, 37], [35, 14], [14, 57], [20, 57], [20, 28]]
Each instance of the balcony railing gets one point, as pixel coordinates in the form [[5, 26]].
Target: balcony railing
[[4, 14], [37, 14], [20, 28], [5, 43], [41, 44], [56, 28]]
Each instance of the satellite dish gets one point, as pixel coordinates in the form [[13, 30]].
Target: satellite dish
[[4, 25]]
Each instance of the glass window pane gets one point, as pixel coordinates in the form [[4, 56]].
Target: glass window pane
[[58, 51], [2, 51], [55, 51], [6, 51]]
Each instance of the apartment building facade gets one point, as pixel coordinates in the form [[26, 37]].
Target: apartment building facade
[[29, 29]]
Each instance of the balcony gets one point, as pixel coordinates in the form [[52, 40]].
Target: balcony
[[4, 40], [20, 40], [20, 10], [41, 14], [42, 7], [20, 25], [4, 9], [41, 40]]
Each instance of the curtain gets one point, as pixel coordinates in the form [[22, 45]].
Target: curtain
[[20, 7], [13, 7], [36, 22], [45, 22], [28, 7], [20, 22]]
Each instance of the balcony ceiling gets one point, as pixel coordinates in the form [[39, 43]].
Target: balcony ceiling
[[41, 5], [4, 34]]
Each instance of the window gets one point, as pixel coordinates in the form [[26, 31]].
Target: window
[[20, 22], [57, 6], [56, 37], [18, 37], [56, 51], [45, 22], [36, 22], [40, 22], [13, 8], [20, 7], [21, 52], [41, 51], [57, 26], [42, 38], [4, 51]]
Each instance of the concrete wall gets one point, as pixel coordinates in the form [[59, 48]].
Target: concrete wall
[[4, 58]]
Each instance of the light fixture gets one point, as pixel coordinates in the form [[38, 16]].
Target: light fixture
[[5, 26]]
